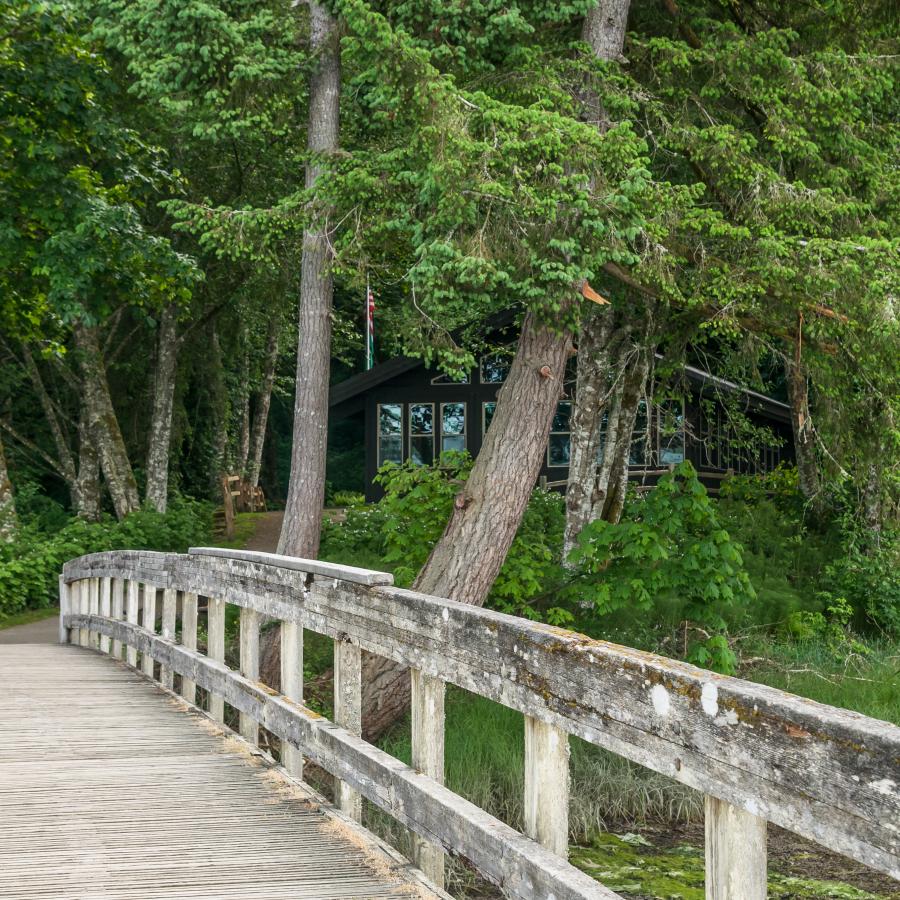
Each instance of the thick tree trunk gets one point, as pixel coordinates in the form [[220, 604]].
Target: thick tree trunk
[[243, 454], [86, 495], [261, 408], [604, 28], [104, 425], [8, 521], [488, 510], [802, 427], [220, 414], [306, 491], [160, 439]]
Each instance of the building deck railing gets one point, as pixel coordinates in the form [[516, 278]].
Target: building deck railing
[[758, 754]]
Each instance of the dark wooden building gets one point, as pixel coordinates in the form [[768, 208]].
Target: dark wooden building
[[413, 413]]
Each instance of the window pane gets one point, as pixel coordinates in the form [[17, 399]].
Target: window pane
[[421, 450], [453, 442], [453, 418], [390, 418], [561, 419], [489, 414], [494, 368], [559, 449], [390, 449], [671, 433], [421, 418], [637, 456]]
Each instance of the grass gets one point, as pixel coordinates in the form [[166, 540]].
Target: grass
[[28, 616], [245, 525]]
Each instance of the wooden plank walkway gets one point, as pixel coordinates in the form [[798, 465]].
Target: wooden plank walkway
[[109, 790]]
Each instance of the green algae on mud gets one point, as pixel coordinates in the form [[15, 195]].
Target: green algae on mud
[[631, 866]]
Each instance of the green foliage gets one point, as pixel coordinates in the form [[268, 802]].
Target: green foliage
[[30, 566], [347, 498], [669, 544]]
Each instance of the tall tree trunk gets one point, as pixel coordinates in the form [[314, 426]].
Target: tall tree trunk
[[104, 425], [306, 490], [160, 438], [487, 511], [802, 427], [261, 408], [219, 399], [589, 485], [8, 520], [86, 496], [244, 434]]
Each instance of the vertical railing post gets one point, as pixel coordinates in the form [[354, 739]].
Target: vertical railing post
[[93, 610], [189, 640], [348, 713], [118, 611], [215, 649], [547, 785], [427, 705], [735, 853], [64, 600], [249, 666], [131, 615], [105, 609], [81, 603], [149, 623], [167, 630], [292, 687]]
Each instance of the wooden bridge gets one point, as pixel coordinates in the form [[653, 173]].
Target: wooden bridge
[[114, 785]]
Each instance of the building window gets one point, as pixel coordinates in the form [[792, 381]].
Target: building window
[[560, 435], [640, 454], [487, 415], [421, 433], [450, 379], [671, 432], [495, 367], [453, 426], [390, 433]]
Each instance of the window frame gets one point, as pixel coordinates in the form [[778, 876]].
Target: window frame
[[463, 434], [565, 465], [659, 414], [410, 434], [484, 423], [379, 462]]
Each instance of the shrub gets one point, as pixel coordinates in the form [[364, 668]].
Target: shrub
[[30, 565]]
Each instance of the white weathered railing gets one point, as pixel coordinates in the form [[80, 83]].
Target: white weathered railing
[[758, 754]]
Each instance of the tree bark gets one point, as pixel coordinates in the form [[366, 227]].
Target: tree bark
[[486, 513], [244, 442], [160, 438], [86, 496], [261, 408], [8, 520], [219, 399], [104, 425], [802, 427], [306, 490]]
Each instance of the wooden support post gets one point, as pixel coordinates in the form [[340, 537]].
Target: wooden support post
[[93, 609], [189, 639], [215, 649], [80, 605], [131, 615], [64, 600], [105, 609], [735, 853], [167, 630], [428, 758], [149, 622], [249, 666], [348, 713], [292, 687], [118, 611], [547, 785]]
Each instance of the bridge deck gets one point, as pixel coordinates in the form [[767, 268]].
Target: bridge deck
[[107, 790]]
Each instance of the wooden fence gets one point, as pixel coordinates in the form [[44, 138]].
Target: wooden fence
[[757, 753]]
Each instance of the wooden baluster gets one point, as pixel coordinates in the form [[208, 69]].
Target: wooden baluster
[[149, 623], [735, 853], [547, 785], [131, 614], [189, 640], [118, 607], [348, 713], [215, 649], [167, 631], [249, 666], [65, 599], [428, 758], [292, 687], [105, 609], [94, 609], [81, 607]]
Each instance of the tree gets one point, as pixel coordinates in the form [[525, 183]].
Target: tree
[[8, 521]]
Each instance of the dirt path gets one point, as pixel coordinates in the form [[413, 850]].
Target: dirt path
[[268, 528]]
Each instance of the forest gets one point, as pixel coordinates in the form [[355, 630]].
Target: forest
[[212, 212]]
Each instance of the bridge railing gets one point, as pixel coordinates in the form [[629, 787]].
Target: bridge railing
[[758, 754]]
